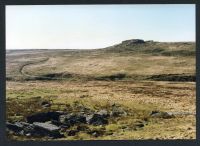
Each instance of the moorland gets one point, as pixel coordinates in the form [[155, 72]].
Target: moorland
[[132, 90]]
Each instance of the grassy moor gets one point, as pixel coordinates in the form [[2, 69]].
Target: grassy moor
[[133, 90]]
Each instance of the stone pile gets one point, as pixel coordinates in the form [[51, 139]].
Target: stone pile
[[52, 123]]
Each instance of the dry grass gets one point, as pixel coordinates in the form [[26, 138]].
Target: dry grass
[[137, 97]]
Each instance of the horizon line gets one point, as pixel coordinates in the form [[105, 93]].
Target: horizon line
[[97, 48]]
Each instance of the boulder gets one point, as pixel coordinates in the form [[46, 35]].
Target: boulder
[[96, 119], [72, 119], [43, 117], [48, 129], [159, 114], [35, 129], [16, 127]]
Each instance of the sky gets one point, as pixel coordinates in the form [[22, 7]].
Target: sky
[[96, 26]]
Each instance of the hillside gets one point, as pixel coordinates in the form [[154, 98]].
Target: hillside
[[132, 59]]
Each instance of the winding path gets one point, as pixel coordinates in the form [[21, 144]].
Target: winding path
[[31, 63]]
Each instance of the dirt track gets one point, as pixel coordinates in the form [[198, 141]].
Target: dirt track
[[31, 63]]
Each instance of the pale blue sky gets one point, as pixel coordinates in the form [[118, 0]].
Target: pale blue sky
[[96, 26]]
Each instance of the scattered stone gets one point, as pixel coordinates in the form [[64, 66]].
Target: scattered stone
[[159, 114], [52, 123], [95, 133]]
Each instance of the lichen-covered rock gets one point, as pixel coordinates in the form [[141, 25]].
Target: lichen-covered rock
[[96, 119], [72, 119], [159, 114], [48, 129]]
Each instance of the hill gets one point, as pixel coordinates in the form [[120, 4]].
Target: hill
[[132, 59]]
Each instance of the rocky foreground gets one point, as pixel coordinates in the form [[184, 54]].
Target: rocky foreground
[[60, 124]]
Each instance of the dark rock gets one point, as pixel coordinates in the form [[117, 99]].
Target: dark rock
[[72, 132], [27, 128], [113, 104], [96, 119], [22, 128], [35, 129], [133, 41], [72, 119], [139, 125], [43, 117], [124, 127], [95, 133], [159, 114], [30, 131], [109, 133], [46, 104], [48, 129], [14, 127], [59, 124]]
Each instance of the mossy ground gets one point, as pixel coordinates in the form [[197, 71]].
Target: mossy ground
[[24, 98]]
